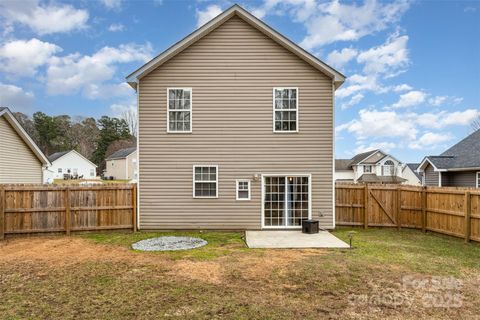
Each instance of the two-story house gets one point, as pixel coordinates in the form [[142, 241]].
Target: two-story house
[[373, 166], [236, 130]]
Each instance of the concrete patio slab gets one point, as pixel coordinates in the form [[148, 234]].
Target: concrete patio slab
[[292, 239]]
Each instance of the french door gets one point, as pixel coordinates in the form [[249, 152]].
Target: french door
[[286, 200]]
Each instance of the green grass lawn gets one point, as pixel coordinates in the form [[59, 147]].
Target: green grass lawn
[[98, 276]]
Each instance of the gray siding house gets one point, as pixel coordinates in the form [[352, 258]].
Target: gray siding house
[[236, 130], [459, 166]]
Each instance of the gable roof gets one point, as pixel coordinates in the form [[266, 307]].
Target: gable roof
[[362, 156], [235, 10], [7, 114], [57, 155], [464, 155], [342, 164], [122, 153]]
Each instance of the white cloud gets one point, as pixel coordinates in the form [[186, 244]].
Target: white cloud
[[441, 100], [339, 59], [87, 74], [112, 4], [116, 27], [410, 99], [15, 98], [389, 58], [43, 19], [402, 87], [23, 57], [380, 124], [355, 100], [429, 140], [443, 119], [203, 16], [334, 21], [384, 146], [358, 83]]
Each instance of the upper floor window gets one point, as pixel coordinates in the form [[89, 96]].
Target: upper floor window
[[478, 179], [179, 115], [285, 109], [59, 170], [388, 168], [367, 169]]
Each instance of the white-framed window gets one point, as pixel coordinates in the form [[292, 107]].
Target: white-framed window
[[92, 172], [285, 109], [367, 169], [388, 168], [59, 170], [205, 181], [478, 179], [179, 110], [243, 189]]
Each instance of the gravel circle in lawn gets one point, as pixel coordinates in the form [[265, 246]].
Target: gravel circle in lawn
[[169, 243]]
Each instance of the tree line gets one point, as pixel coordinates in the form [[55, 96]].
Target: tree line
[[95, 139]]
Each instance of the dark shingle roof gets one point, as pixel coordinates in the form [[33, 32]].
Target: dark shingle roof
[[2, 108], [466, 153], [361, 156], [123, 153], [57, 155], [342, 164]]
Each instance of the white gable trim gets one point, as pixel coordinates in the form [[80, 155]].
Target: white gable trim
[[368, 157], [134, 77], [423, 164], [24, 135], [78, 153]]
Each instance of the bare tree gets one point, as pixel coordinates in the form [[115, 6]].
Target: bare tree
[[476, 124], [130, 116]]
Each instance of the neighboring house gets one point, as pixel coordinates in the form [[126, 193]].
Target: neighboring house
[[410, 173], [122, 165], [21, 161], [72, 164], [459, 166], [236, 130], [369, 167]]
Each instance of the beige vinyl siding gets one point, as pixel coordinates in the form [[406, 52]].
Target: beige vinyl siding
[[18, 164], [116, 168], [232, 72]]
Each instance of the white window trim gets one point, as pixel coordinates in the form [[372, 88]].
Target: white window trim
[[273, 106], [478, 179], [216, 181], [368, 165], [249, 188], [191, 110], [262, 218]]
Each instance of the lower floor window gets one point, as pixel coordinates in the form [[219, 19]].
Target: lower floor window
[[243, 189], [205, 181]]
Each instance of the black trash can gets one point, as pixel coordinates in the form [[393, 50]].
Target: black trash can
[[310, 226]]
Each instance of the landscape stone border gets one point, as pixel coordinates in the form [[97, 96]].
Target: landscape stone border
[[169, 243]]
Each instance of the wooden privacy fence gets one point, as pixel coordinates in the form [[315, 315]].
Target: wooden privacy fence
[[62, 208], [451, 211]]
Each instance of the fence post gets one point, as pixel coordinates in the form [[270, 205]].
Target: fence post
[[468, 213], [68, 222], [134, 207], [2, 213], [424, 209], [399, 206], [365, 208]]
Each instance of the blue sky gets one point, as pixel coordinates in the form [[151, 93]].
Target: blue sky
[[413, 67]]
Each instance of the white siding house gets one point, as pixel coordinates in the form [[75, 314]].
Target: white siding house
[[72, 163]]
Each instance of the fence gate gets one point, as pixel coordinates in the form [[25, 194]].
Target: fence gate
[[383, 206]]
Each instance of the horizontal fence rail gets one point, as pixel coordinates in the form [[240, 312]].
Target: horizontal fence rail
[[66, 208], [451, 211]]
